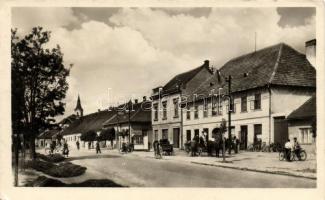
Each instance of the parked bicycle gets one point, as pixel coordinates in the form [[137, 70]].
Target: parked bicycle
[[293, 155], [56, 149], [126, 148]]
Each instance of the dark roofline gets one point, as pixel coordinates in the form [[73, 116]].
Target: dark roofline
[[310, 43]]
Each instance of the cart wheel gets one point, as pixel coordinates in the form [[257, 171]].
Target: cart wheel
[[303, 155]]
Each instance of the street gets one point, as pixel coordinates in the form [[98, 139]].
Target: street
[[134, 171]]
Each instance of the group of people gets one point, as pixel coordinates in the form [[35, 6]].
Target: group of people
[[65, 149], [200, 141], [292, 148]]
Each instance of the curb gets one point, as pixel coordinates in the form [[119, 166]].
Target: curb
[[256, 170]]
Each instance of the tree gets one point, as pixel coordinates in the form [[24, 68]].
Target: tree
[[39, 83], [108, 134], [88, 136]]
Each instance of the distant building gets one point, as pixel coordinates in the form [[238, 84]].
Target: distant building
[[133, 126], [167, 116], [301, 121], [267, 85]]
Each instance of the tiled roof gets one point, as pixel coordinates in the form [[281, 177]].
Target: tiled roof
[[275, 65], [183, 78], [48, 134], [307, 110], [89, 122], [141, 112]]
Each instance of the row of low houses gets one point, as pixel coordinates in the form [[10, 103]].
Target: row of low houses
[[273, 99]]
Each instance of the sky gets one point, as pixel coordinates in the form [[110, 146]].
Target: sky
[[123, 53]]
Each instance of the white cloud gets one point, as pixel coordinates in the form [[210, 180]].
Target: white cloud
[[49, 18], [148, 47]]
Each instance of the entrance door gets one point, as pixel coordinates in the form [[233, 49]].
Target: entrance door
[[280, 130], [176, 137], [243, 137]]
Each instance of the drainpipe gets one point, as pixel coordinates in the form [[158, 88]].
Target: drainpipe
[[270, 111]]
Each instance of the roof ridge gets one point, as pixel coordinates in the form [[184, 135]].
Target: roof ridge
[[246, 54], [276, 65]]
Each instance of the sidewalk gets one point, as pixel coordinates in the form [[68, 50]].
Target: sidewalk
[[249, 161]]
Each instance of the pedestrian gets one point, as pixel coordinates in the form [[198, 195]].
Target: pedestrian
[[98, 148], [65, 150], [296, 147], [78, 144], [235, 144], [287, 148], [89, 144]]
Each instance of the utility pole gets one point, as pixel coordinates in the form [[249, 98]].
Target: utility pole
[[229, 113], [129, 116]]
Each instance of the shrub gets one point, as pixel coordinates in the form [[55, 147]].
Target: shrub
[[54, 158], [65, 169]]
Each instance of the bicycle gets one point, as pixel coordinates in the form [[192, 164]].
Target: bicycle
[[48, 150], [293, 155]]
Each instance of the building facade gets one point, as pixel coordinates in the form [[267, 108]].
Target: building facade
[[167, 117], [267, 85]]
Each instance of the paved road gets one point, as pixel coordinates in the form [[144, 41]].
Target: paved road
[[129, 170]]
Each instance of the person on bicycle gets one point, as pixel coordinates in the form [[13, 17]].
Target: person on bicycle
[[288, 148], [296, 148]]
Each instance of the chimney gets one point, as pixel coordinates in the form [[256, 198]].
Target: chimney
[[311, 51], [135, 100], [206, 63], [144, 98], [98, 110]]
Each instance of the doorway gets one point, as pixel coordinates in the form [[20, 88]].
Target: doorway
[[176, 137], [243, 137]]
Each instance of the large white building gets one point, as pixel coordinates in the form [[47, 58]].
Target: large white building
[[267, 85]]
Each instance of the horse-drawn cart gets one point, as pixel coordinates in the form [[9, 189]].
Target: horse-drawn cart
[[167, 148]]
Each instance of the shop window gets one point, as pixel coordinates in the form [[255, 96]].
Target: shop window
[[305, 136]]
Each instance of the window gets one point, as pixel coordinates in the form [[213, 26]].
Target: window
[[205, 109], [155, 108], [305, 136], [164, 104], [257, 101], [165, 134], [244, 104], [188, 135], [257, 133], [196, 112], [220, 108], [214, 108], [175, 108], [188, 112], [138, 139]]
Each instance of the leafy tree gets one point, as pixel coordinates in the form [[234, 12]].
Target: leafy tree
[[38, 82], [108, 134], [88, 136]]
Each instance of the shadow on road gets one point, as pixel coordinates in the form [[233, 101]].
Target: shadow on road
[[92, 157]]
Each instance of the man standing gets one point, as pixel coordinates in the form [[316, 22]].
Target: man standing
[[78, 144], [288, 148], [98, 148], [296, 147]]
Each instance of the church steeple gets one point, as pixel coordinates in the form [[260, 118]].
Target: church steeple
[[79, 111]]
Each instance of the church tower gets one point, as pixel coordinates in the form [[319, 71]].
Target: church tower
[[78, 110]]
